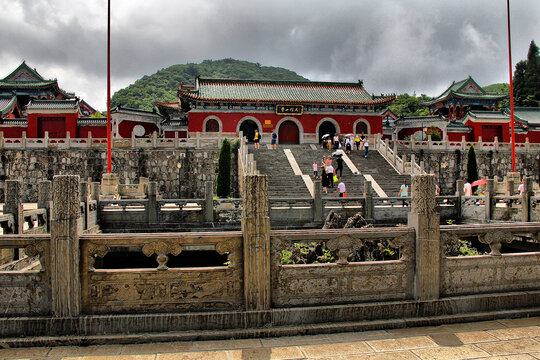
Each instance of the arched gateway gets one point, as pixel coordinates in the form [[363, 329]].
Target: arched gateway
[[326, 128], [289, 133], [248, 128]]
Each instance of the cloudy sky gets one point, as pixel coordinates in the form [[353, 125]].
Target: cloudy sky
[[393, 45]]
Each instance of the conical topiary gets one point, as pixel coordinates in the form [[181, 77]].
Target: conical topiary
[[223, 182]]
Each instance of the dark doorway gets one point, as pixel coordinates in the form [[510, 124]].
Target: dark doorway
[[489, 132], [289, 133], [361, 128], [248, 127], [326, 128], [212, 126], [55, 126]]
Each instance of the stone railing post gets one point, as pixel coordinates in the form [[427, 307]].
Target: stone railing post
[[13, 204], [89, 140], [394, 148], [65, 256], [152, 203], [490, 193], [368, 200], [209, 202], [133, 139], [96, 192], [23, 140], [509, 187], [459, 194], [463, 142], [256, 237], [176, 141], [413, 160], [84, 199], [45, 199], [526, 199], [317, 201], [425, 221], [154, 139]]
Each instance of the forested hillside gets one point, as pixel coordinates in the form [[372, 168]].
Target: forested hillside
[[163, 85]]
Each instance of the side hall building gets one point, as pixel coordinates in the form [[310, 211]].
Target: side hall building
[[298, 111]]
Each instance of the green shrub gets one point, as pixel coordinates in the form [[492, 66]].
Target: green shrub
[[472, 166], [223, 182]]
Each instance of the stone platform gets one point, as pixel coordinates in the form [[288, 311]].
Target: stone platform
[[498, 339]]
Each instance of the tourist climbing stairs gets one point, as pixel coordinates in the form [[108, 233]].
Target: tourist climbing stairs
[[283, 183], [305, 155]]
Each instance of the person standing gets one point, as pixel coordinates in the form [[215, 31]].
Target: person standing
[[357, 142], [274, 139], [315, 172], [404, 192], [467, 189], [324, 179], [339, 167], [336, 141], [341, 188], [348, 145], [366, 146], [256, 139], [330, 173]]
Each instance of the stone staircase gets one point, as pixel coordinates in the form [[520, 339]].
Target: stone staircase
[[305, 156], [283, 183], [385, 175]]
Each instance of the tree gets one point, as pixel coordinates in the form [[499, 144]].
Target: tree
[[472, 166], [407, 105], [527, 79], [223, 182]]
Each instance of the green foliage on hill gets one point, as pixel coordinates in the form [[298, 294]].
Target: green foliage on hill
[[163, 85], [499, 88], [409, 105]]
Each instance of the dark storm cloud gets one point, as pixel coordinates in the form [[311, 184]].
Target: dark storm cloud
[[394, 46]]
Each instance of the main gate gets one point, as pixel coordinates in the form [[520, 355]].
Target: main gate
[[289, 133]]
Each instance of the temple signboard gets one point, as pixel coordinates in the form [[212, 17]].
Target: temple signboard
[[289, 109]]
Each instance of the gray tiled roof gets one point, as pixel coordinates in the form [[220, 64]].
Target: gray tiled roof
[[280, 91]]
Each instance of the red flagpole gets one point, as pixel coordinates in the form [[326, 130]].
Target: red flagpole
[[511, 91], [109, 166]]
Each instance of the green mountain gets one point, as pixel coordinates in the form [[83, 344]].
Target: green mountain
[[499, 88], [163, 85]]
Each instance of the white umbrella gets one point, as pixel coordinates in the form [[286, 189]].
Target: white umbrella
[[325, 136]]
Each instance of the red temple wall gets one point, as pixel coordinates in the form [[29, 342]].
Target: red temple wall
[[13, 132], [309, 122], [125, 128], [98, 132]]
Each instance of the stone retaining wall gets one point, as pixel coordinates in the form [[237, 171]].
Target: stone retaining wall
[[160, 165], [451, 165]]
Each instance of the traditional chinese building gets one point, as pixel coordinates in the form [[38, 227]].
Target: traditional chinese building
[[36, 106], [461, 97], [299, 112]]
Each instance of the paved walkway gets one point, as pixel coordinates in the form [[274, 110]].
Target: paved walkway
[[502, 339]]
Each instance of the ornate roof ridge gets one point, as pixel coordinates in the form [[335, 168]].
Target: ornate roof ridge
[[279, 82]]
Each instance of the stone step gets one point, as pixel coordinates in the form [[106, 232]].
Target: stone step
[[269, 331]]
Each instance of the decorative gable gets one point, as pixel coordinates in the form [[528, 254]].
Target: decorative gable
[[471, 88], [24, 74]]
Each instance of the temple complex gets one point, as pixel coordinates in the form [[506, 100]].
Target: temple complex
[[298, 112]]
